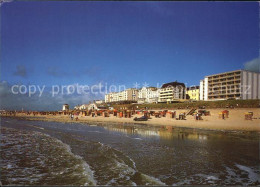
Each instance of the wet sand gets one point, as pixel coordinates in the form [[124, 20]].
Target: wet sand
[[235, 122]]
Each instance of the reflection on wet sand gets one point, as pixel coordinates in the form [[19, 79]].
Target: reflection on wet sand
[[163, 132]]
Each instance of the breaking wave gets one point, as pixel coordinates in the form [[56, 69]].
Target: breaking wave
[[33, 158]]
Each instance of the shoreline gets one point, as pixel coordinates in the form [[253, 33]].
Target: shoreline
[[235, 122], [143, 125]]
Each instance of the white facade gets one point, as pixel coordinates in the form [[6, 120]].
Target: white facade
[[202, 87], [172, 92], [238, 84], [107, 98], [206, 84], [83, 107], [92, 106], [65, 107], [250, 88], [130, 94], [148, 94], [99, 101]]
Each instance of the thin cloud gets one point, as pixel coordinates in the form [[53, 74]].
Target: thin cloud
[[93, 73], [253, 65], [10, 101], [20, 71]]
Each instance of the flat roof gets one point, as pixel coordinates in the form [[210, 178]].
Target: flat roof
[[223, 73], [231, 72]]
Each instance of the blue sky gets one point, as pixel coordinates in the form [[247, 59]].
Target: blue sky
[[65, 42]]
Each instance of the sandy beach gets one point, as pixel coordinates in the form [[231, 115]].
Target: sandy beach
[[235, 122]]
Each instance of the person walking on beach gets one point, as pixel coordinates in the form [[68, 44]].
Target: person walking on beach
[[72, 116]]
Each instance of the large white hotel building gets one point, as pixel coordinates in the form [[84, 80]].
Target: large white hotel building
[[239, 84], [129, 94]]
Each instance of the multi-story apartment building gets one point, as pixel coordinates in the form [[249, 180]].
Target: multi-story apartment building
[[130, 94], [193, 92], [109, 97], [173, 91], [106, 98], [239, 84], [148, 95]]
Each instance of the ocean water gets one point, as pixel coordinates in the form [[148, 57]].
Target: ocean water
[[38, 159], [51, 153]]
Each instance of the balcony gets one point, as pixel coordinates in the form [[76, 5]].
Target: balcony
[[235, 74], [222, 94]]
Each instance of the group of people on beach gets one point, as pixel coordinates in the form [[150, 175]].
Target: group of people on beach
[[72, 117]]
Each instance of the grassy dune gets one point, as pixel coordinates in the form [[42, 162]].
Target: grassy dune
[[253, 103]]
